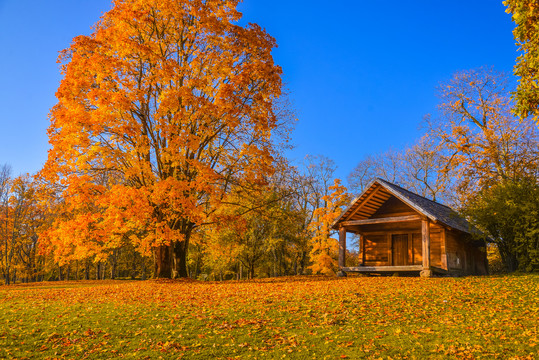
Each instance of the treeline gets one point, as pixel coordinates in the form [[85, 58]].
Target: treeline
[[279, 229], [475, 155]]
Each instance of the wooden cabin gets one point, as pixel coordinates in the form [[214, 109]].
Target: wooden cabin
[[402, 232]]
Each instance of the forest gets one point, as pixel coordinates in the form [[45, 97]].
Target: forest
[[168, 148]]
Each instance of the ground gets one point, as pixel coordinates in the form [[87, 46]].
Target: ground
[[294, 317]]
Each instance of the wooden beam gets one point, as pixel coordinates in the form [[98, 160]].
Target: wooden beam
[[425, 242], [342, 247], [383, 268], [374, 191], [382, 220], [444, 250], [389, 249], [362, 247]]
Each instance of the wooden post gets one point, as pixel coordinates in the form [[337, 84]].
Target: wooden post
[[425, 245], [444, 251], [362, 249], [342, 247], [389, 250]]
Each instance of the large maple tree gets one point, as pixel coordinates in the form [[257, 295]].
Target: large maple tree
[[163, 108]]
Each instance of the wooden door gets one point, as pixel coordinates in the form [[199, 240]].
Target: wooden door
[[400, 249]]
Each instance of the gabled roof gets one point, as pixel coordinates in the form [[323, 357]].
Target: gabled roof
[[380, 190]]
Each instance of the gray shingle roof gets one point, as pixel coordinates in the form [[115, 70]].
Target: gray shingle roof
[[431, 209]]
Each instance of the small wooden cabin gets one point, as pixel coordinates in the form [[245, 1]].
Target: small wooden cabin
[[402, 232]]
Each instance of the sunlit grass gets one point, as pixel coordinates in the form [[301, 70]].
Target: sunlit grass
[[302, 318]]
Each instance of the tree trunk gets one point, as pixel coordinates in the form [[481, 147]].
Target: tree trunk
[[143, 268], [180, 258], [251, 271], [87, 270], [7, 279], [113, 262], [134, 266], [98, 271], [274, 263], [162, 257]]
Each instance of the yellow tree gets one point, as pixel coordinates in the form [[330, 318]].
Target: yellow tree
[[324, 248], [525, 14], [20, 217], [479, 139], [174, 101]]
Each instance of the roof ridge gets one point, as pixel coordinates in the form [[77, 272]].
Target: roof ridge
[[413, 193]]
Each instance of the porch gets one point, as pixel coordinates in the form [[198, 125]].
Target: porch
[[389, 270]]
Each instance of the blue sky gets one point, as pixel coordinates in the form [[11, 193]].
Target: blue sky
[[362, 74]]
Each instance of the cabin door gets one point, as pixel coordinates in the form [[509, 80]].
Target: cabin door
[[400, 249]]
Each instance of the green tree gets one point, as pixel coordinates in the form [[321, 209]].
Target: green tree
[[508, 212]]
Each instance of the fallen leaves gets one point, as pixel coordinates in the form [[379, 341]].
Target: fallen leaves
[[309, 317]]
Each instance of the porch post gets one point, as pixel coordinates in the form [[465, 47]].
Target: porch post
[[362, 249], [342, 248], [425, 245]]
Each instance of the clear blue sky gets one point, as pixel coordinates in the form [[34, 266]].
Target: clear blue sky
[[362, 74]]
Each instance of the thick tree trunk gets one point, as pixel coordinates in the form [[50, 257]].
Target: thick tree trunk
[[134, 266], [7, 277], [113, 262], [143, 268], [162, 256], [87, 270], [251, 271], [180, 258]]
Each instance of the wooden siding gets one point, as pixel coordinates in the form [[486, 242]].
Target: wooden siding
[[376, 250], [416, 249], [393, 207], [436, 246], [455, 252], [463, 256]]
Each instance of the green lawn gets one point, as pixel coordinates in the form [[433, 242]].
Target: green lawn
[[296, 317]]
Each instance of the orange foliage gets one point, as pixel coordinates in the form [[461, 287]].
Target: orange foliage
[[480, 139], [324, 248], [163, 107]]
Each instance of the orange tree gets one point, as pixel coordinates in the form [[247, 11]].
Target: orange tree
[[478, 138], [172, 101], [324, 248]]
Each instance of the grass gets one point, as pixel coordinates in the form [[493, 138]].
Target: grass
[[297, 317]]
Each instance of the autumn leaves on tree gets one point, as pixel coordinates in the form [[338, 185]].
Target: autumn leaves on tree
[[161, 111]]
